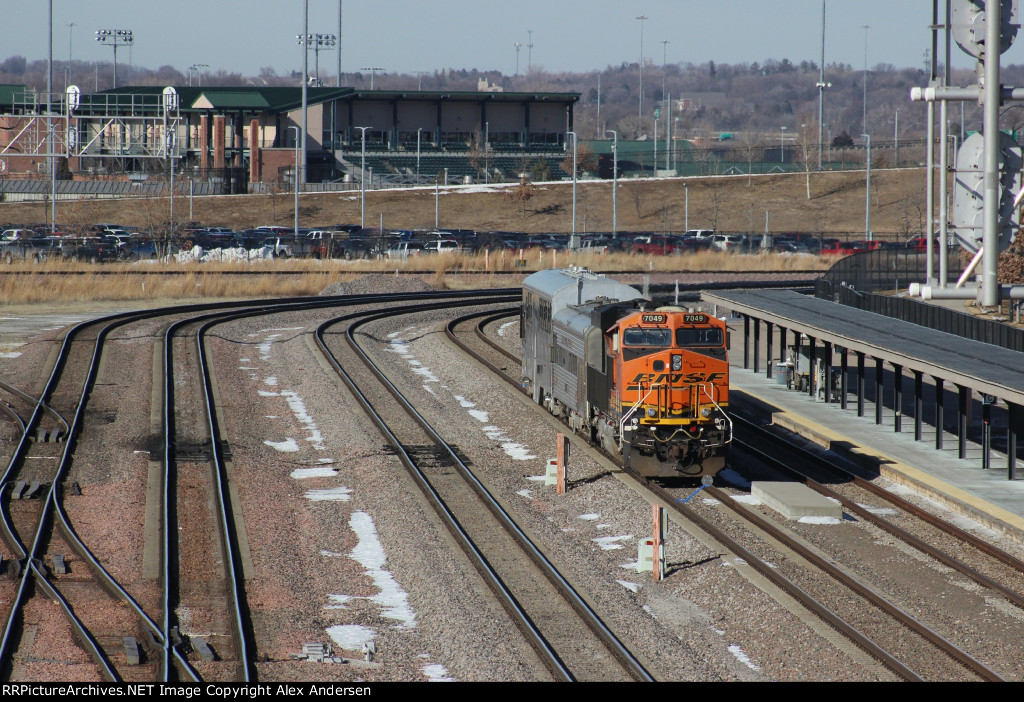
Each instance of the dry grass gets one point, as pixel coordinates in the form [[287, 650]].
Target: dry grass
[[58, 281], [731, 203], [725, 203]]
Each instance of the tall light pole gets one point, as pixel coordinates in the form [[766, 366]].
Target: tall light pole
[[197, 68], [615, 181], [71, 34], [867, 200], [642, 19], [821, 84], [362, 180], [115, 38], [529, 52], [296, 178], [339, 43], [517, 45], [419, 132], [373, 70], [305, 89], [866, 28], [896, 136], [782, 144], [319, 42], [575, 141]]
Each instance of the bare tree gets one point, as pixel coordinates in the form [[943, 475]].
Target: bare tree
[[807, 151], [586, 160], [752, 148], [521, 193]]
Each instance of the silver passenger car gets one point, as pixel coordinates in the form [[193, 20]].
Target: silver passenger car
[[547, 294]]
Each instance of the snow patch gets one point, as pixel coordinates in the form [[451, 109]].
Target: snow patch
[[742, 657], [351, 637], [303, 473], [286, 446], [335, 494], [609, 543]]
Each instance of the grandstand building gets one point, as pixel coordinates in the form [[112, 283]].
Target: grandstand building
[[243, 138]]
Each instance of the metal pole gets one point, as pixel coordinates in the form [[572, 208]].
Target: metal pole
[[686, 206], [821, 83], [943, 220], [339, 43], [419, 131], [305, 80], [49, 127], [930, 153], [866, 28], [295, 231], [867, 199], [615, 182], [668, 132], [575, 141], [362, 180], [990, 237], [71, 35], [640, 114]]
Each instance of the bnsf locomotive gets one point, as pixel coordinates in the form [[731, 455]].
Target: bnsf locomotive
[[651, 385]]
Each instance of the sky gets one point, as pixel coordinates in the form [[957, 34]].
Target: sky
[[406, 36]]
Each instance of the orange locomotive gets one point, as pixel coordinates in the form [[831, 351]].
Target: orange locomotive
[[671, 385], [649, 385]]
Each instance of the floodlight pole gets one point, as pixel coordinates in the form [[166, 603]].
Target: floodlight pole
[[867, 201], [362, 180], [575, 141], [615, 181], [296, 179]]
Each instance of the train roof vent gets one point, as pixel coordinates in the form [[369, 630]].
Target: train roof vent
[[670, 308]]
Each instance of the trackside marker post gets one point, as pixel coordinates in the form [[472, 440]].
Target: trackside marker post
[[562, 456]]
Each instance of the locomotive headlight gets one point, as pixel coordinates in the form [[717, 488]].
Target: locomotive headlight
[[706, 412], [677, 362], [651, 411]]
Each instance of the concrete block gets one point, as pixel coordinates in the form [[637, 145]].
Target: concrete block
[[795, 500]]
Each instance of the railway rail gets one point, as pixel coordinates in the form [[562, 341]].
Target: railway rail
[[563, 629], [496, 357]]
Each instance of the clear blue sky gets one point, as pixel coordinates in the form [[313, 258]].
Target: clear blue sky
[[415, 35]]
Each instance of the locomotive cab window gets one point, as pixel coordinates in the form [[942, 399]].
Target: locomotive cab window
[[707, 341], [709, 336], [640, 336]]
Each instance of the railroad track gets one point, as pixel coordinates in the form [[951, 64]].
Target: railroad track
[[930, 645], [566, 633]]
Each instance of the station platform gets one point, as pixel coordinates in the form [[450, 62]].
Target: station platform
[[961, 485]]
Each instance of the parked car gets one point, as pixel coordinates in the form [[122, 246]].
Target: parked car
[[140, 250], [692, 244], [921, 243], [402, 250], [441, 246], [729, 242], [843, 248], [90, 249], [12, 234], [36, 249], [654, 245]]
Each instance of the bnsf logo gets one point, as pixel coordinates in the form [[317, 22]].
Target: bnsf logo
[[675, 378]]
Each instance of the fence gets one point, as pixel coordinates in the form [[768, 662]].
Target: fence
[[858, 281]]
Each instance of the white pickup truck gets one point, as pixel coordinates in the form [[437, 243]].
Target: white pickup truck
[[442, 246]]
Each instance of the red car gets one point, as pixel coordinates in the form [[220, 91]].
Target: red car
[[921, 243], [843, 248], [655, 244]]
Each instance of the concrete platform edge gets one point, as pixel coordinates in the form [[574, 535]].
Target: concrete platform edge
[[956, 499]]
